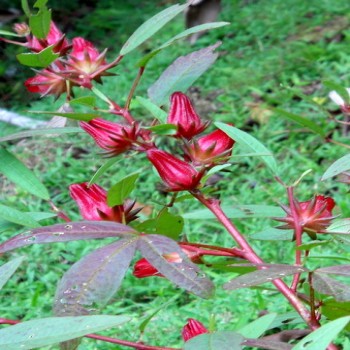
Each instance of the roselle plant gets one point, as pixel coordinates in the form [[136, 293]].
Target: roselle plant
[[185, 150]]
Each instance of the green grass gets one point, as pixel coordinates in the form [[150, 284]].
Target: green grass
[[269, 47]]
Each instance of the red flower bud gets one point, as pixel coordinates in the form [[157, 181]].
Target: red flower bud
[[215, 147], [313, 216], [177, 174], [113, 137], [192, 329], [183, 115], [49, 81], [92, 203]]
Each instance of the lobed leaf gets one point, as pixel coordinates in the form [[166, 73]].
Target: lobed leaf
[[150, 27], [18, 173], [242, 211], [89, 101], [250, 143], [41, 59], [121, 190], [223, 340], [339, 166], [46, 331], [323, 336], [333, 309], [67, 232], [49, 132], [343, 270], [182, 73], [330, 286], [8, 269], [94, 279], [184, 273], [268, 274]]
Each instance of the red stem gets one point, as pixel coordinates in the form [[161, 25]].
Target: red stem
[[214, 206], [298, 230]]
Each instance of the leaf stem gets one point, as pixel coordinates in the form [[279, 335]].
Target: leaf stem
[[133, 88]]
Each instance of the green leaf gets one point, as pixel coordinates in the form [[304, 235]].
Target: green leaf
[[8, 269], [164, 129], [182, 73], [309, 124], [94, 279], [313, 244], [339, 89], [150, 27], [169, 225], [273, 234], [223, 340], [18, 173], [46, 331], [25, 7], [17, 217], [157, 112], [5, 32], [341, 226], [333, 309], [322, 337], [103, 169], [206, 26], [41, 59], [40, 23], [121, 190], [89, 101], [243, 211], [75, 116], [339, 166], [49, 132], [258, 327], [250, 143], [40, 4]]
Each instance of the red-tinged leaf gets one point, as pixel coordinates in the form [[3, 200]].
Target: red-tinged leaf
[[343, 270], [183, 273], [94, 279], [268, 274], [67, 232], [182, 73], [330, 286], [223, 340]]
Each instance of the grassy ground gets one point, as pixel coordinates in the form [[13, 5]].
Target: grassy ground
[[272, 52]]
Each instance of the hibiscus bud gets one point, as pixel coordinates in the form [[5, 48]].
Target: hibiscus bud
[[192, 329], [215, 147], [86, 60], [113, 137], [177, 174], [339, 100], [92, 203], [49, 81], [183, 115], [313, 216]]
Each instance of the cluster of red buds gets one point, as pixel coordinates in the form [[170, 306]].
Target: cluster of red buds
[[78, 64]]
